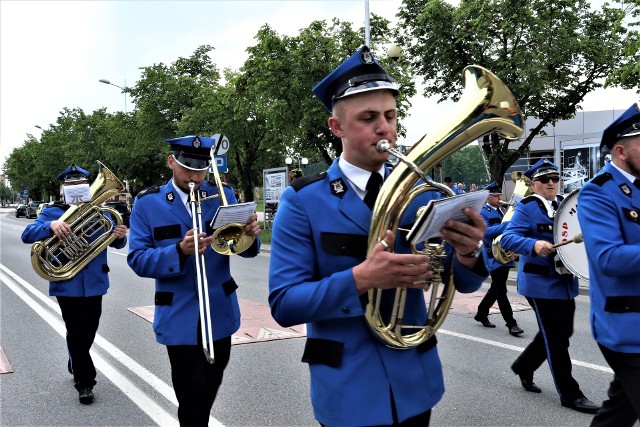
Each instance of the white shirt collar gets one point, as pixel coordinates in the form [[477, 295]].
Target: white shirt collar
[[626, 174], [358, 177]]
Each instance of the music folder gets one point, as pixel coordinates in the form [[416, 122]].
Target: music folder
[[240, 212], [439, 211]]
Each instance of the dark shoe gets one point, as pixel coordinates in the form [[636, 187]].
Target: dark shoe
[[527, 381], [86, 396], [485, 321], [515, 330], [581, 404]]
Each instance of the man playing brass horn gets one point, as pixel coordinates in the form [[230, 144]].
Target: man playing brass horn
[[493, 214], [319, 270], [550, 294], [163, 245], [80, 297], [608, 214]]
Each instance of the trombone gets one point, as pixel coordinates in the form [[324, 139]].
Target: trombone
[[206, 328]]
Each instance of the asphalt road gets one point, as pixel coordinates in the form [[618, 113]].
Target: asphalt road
[[265, 383]]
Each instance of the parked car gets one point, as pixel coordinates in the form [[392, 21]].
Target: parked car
[[32, 207], [122, 207], [21, 210]]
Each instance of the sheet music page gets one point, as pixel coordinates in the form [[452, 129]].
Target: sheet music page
[[233, 213], [439, 211]]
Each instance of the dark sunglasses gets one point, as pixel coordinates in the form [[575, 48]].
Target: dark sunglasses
[[545, 179]]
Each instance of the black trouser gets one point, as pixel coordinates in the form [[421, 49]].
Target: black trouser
[[498, 292], [623, 406], [196, 381], [81, 317], [555, 320]]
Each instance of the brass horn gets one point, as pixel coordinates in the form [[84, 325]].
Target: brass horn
[[57, 259], [487, 105], [229, 239]]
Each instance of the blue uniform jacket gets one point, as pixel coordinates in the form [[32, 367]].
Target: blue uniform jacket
[[495, 227], [93, 280], [319, 235], [537, 277], [608, 214], [159, 220]]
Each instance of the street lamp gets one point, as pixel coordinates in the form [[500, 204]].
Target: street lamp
[[302, 161], [107, 82]]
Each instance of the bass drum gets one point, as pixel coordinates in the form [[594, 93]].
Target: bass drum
[[565, 227]]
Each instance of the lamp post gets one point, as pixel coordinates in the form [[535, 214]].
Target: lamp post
[[123, 89]]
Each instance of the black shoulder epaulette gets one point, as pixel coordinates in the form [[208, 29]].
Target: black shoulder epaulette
[[148, 190], [303, 181], [530, 199], [602, 178], [59, 204]]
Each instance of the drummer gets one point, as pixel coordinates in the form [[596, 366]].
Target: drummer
[[608, 214], [550, 294]]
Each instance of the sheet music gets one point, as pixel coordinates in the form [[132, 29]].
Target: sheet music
[[233, 213], [439, 211]]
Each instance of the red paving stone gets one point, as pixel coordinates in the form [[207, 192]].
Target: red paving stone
[[256, 324], [5, 366]]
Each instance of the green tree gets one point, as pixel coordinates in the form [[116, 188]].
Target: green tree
[[550, 54], [627, 72]]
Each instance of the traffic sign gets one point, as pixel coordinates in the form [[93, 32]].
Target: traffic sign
[[221, 163], [220, 144]]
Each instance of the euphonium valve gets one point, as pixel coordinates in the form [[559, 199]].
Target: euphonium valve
[[486, 106]]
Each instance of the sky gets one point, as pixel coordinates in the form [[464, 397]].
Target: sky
[[53, 53]]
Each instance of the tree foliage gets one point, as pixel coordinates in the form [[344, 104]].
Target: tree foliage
[[550, 54]]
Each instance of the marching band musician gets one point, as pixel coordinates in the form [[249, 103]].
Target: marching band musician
[[550, 294], [80, 297], [320, 273], [162, 247], [492, 214], [608, 214]]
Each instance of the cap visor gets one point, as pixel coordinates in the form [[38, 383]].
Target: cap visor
[[191, 163]]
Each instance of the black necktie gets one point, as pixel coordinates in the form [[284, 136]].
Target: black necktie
[[637, 183], [373, 188], [554, 204]]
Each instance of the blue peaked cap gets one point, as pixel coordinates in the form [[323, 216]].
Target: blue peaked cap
[[359, 73], [73, 173], [192, 152], [494, 188], [628, 124], [542, 167]]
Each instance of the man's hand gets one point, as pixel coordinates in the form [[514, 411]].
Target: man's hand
[[60, 229], [384, 270], [252, 228], [543, 248], [120, 231], [188, 246], [465, 237]]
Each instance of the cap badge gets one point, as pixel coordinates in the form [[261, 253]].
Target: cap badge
[[196, 142], [366, 56]]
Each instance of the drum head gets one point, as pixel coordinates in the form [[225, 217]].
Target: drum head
[[565, 227]]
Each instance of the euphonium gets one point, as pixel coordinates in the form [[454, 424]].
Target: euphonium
[[91, 232], [486, 106], [520, 191]]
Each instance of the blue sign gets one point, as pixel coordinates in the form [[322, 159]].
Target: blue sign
[[221, 163], [25, 193]]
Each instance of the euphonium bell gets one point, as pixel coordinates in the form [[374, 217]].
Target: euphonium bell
[[91, 232], [486, 106]]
